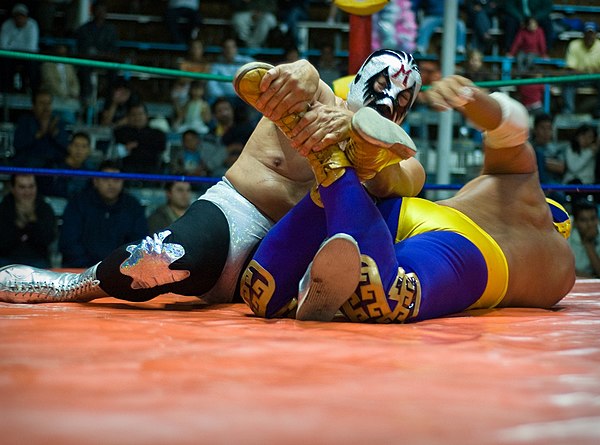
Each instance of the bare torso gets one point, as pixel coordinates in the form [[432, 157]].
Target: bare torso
[[513, 210], [270, 173]]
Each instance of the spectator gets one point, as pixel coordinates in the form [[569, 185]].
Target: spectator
[[480, 14], [140, 146], [100, 219], [195, 60], [580, 156], [253, 20], [27, 225], [517, 11], [584, 240], [474, 68], [226, 65], [196, 112], [187, 11], [290, 13], [77, 158], [395, 26], [19, 33], [96, 39], [583, 56], [178, 194], [528, 44], [60, 80], [433, 17], [550, 154], [121, 97], [189, 160], [532, 96], [329, 66], [40, 136]]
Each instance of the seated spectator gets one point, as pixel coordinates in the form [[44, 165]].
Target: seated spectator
[[580, 157], [532, 96], [178, 194], [189, 159], [584, 239], [40, 136], [550, 154], [183, 19], [195, 113], [100, 219], [290, 13], [480, 14], [517, 11], [27, 226], [121, 97], [582, 57], [60, 80], [226, 65], [96, 39], [329, 66], [19, 33], [195, 60], [77, 158], [395, 26], [528, 44], [433, 17], [253, 20], [140, 146]]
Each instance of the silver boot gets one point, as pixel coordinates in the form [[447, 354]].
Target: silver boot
[[26, 284]]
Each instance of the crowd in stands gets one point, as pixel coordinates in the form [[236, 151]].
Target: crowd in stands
[[207, 125]]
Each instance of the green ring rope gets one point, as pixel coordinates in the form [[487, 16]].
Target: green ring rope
[[220, 78]]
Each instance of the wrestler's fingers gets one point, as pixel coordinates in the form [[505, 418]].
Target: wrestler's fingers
[[451, 92], [268, 78]]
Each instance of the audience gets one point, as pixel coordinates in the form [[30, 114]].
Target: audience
[[517, 11], [27, 226], [480, 14], [183, 19], [582, 57], [40, 136], [580, 157], [121, 97], [194, 60], [78, 158], [394, 26], [528, 44], [99, 219], [584, 239], [549, 153], [195, 113], [19, 33], [189, 160], [96, 39], [178, 195], [60, 80], [138, 145], [226, 65], [329, 66], [433, 17], [290, 13], [252, 20]]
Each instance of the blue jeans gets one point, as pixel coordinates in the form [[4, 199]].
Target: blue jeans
[[427, 28]]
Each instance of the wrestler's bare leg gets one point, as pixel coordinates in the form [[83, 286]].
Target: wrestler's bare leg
[[508, 202]]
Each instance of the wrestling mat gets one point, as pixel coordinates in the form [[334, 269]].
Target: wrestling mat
[[172, 371]]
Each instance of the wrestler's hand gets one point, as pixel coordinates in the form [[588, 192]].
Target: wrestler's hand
[[450, 92], [287, 88], [320, 127]]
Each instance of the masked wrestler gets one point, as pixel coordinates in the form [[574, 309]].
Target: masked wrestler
[[203, 252], [496, 243]]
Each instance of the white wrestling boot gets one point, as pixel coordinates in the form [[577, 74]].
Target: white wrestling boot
[[26, 285], [330, 279]]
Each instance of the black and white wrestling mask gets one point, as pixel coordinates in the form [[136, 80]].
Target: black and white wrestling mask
[[388, 82]]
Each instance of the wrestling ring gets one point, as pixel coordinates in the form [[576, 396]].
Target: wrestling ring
[[174, 371]]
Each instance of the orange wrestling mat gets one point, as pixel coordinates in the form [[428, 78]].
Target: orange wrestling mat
[[173, 371]]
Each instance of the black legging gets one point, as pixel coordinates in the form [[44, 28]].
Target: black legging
[[204, 234]]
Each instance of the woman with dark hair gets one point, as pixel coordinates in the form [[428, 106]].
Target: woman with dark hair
[[581, 157]]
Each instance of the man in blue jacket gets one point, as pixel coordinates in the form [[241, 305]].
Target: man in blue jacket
[[100, 219]]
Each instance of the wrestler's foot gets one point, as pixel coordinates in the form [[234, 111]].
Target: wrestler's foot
[[376, 142], [26, 284], [246, 83], [330, 279]]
